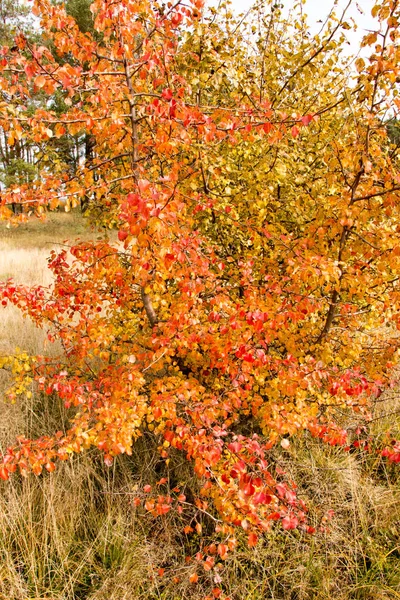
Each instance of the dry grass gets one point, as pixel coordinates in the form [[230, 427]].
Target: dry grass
[[76, 535], [54, 230], [26, 264]]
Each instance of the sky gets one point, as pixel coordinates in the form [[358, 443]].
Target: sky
[[318, 10]]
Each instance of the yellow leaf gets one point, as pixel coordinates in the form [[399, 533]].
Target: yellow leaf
[[375, 10]]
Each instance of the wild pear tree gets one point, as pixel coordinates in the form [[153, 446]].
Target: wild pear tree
[[253, 292]]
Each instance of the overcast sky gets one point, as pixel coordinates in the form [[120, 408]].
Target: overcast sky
[[318, 10]]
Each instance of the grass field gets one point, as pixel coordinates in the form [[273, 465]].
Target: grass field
[[75, 534], [42, 235]]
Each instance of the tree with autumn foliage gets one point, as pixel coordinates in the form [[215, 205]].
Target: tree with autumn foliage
[[253, 292]]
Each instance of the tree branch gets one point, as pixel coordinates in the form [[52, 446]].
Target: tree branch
[[148, 306]]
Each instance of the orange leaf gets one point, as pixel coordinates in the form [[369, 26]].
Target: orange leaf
[[252, 540], [40, 81]]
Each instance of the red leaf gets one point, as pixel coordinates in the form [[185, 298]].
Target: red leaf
[[310, 530], [168, 435], [157, 412], [167, 94], [208, 563], [290, 522], [4, 473], [306, 120], [252, 540], [249, 489], [122, 235], [29, 70], [262, 498], [223, 551], [281, 489], [235, 447], [274, 516], [108, 459], [163, 509]]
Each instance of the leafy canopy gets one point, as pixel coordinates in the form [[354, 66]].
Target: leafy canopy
[[253, 292]]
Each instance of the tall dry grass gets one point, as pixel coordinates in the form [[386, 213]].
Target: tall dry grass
[[26, 265], [75, 534]]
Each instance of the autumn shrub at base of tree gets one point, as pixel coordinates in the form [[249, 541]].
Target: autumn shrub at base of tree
[[252, 299]]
